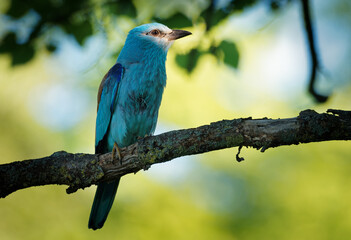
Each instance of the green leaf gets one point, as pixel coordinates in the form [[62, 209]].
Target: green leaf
[[178, 20], [51, 47], [213, 17], [230, 53], [188, 61], [23, 54], [20, 53], [182, 60], [240, 5], [80, 30], [8, 43], [124, 7], [17, 9]]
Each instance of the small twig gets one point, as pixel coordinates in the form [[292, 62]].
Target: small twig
[[315, 63], [238, 158]]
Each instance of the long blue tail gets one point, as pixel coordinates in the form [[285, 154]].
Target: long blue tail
[[104, 196]]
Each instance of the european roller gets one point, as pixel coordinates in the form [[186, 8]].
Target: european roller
[[128, 101]]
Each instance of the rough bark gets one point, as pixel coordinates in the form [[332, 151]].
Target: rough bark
[[82, 170]]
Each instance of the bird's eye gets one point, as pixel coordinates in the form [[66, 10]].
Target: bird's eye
[[155, 32]]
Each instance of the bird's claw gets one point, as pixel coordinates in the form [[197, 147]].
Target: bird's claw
[[117, 150], [146, 135]]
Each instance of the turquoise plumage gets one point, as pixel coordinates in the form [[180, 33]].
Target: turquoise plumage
[[128, 100]]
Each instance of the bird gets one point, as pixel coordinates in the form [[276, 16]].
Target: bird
[[128, 101]]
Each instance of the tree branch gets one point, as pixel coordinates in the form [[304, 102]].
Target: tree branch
[[82, 170]]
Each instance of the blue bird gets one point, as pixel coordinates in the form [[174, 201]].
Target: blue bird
[[128, 101]]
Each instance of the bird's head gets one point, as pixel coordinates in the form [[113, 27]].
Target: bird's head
[[149, 40], [157, 34]]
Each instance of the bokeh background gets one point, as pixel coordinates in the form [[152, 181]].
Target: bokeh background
[[48, 103]]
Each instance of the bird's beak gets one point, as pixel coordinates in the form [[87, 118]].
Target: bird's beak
[[176, 34]]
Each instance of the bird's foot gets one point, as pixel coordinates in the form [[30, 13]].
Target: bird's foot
[[146, 135], [117, 150]]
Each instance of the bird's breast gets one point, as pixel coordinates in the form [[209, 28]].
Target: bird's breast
[[138, 102]]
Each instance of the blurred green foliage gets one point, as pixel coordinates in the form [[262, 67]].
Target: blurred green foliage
[[77, 19], [68, 15], [230, 53], [295, 192], [20, 53], [188, 61], [177, 20]]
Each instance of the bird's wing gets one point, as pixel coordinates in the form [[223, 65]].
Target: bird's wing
[[107, 98]]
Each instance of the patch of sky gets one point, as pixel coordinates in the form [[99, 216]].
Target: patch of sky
[[63, 102], [58, 106]]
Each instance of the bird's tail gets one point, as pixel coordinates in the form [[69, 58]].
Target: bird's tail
[[104, 196]]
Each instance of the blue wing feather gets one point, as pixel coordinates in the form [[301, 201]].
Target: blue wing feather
[[107, 102], [107, 99], [116, 72]]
